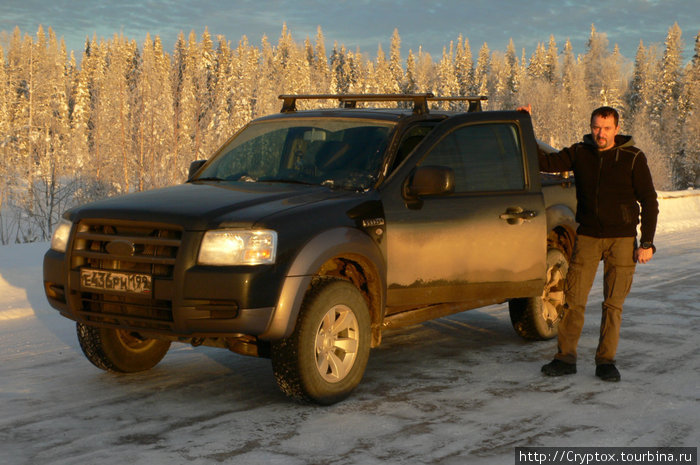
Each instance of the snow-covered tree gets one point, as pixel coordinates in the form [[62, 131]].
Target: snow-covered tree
[[498, 82], [641, 88], [155, 155], [425, 74], [665, 109], [613, 87], [513, 77], [670, 72], [447, 79], [320, 71], [537, 68], [244, 68], [52, 188], [127, 117], [114, 110], [265, 94], [383, 79], [483, 68], [689, 120], [551, 61], [464, 67], [291, 70], [594, 62], [395, 66], [410, 85], [5, 125], [340, 82], [80, 119], [575, 104], [218, 128]]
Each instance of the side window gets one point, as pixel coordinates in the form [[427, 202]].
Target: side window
[[484, 157]]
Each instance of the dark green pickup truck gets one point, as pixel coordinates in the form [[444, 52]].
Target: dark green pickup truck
[[310, 232]]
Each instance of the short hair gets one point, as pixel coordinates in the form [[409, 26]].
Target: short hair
[[606, 112]]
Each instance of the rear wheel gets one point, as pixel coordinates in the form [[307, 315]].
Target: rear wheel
[[537, 318], [325, 357], [119, 350]]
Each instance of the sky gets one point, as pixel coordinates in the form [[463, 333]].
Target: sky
[[364, 23]]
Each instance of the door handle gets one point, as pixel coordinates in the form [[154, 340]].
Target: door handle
[[516, 215]]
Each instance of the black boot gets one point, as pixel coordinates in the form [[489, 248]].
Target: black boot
[[607, 372], [558, 368]]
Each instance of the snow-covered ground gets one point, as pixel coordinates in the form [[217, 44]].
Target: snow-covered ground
[[462, 389]]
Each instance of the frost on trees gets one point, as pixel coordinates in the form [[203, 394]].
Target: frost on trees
[[130, 116]]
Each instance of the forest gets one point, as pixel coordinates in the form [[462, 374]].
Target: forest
[[125, 117]]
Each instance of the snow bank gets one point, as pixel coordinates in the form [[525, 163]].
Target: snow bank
[[679, 210]]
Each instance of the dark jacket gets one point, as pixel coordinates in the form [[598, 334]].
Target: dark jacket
[[611, 185]]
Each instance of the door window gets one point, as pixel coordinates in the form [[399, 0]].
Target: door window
[[484, 157]]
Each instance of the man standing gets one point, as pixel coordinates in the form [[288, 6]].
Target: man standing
[[612, 182]]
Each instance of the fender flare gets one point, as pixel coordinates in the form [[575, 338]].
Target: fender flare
[[325, 246], [560, 215]]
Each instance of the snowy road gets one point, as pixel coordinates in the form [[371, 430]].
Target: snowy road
[[462, 389]]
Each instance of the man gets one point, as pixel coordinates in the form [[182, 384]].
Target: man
[[612, 182]]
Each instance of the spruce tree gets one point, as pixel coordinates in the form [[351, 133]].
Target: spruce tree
[[409, 85], [483, 68], [464, 67], [245, 66], [665, 110], [594, 61], [395, 67], [689, 121], [551, 62], [447, 78], [321, 76]]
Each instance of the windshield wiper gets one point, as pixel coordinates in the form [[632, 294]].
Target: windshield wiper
[[287, 180], [208, 178]]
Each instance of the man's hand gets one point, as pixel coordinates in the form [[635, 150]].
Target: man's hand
[[643, 255], [526, 109]]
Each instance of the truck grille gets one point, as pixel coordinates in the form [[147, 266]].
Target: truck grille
[[151, 250]]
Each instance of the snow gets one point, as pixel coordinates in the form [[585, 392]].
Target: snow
[[461, 389]]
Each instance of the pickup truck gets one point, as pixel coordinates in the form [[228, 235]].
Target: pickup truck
[[309, 233]]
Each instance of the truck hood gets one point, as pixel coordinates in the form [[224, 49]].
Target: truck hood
[[201, 206]]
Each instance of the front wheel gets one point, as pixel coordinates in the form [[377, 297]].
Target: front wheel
[[119, 350], [537, 318], [325, 357]]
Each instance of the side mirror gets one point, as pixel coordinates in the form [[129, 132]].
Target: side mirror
[[429, 180], [194, 167]]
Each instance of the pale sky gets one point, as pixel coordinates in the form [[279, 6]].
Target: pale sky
[[366, 24]]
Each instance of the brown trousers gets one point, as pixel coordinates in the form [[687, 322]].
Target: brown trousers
[[619, 265]]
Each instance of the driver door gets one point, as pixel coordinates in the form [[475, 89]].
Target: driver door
[[482, 243]]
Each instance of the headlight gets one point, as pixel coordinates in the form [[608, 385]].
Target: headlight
[[59, 239], [226, 247]]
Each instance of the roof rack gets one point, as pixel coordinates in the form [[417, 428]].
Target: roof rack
[[474, 101], [420, 101]]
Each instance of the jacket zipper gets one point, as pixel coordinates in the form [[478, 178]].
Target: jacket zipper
[[597, 189]]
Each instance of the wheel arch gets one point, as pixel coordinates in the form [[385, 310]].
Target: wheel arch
[[561, 227], [343, 253]]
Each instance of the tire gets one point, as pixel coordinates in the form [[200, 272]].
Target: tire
[[325, 357], [537, 318], [119, 350]]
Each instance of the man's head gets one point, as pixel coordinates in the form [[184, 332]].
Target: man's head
[[604, 127]]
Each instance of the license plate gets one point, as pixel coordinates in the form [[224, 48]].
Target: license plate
[[116, 281]]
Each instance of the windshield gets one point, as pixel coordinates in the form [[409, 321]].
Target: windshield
[[345, 153]]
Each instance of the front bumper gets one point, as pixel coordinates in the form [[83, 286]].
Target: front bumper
[[194, 302]]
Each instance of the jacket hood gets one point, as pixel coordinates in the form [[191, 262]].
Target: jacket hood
[[200, 206], [620, 141]]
